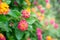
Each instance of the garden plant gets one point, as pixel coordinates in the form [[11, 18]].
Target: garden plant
[[28, 20]]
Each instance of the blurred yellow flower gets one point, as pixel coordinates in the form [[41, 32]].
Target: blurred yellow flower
[[48, 38], [28, 2], [28, 10], [33, 10], [48, 6], [4, 8], [40, 16]]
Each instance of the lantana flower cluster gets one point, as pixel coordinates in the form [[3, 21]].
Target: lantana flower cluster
[[4, 8]]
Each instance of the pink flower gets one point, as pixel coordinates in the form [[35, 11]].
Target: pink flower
[[42, 11], [25, 14], [39, 34], [35, 2], [52, 22], [2, 37], [46, 23], [56, 25], [47, 1], [39, 7], [23, 25], [28, 39]]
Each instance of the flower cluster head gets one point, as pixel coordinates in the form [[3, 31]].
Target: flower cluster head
[[28, 9], [41, 9], [23, 25], [48, 6], [40, 16], [33, 10], [46, 22], [47, 1], [48, 38], [4, 8], [25, 14], [56, 26], [2, 37], [35, 2], [39, 6], [52, 21], [39, 34]]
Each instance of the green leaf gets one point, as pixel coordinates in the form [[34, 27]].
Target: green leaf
[[4, 26], [31, 20], [14, 13], [3, 18], [58, 33], [19, 1], [19, 34], [27, 34], [33, 14], [30, 28], [38, 24], [34, 38], [7, 1], [10, 36]]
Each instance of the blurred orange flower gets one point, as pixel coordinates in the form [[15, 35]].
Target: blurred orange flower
[[48, 6], [33, 10], [40, 16], [48, 38], [4, 8], [2, 37]]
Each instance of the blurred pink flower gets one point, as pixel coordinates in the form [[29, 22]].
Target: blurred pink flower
[[35, 2], [16, 3], [46, 23], [28, 39], [25, 14], [56, 25], [39, 34], [47, 1], [39, 7], [2, 37], [42, 11], [52, 22]]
